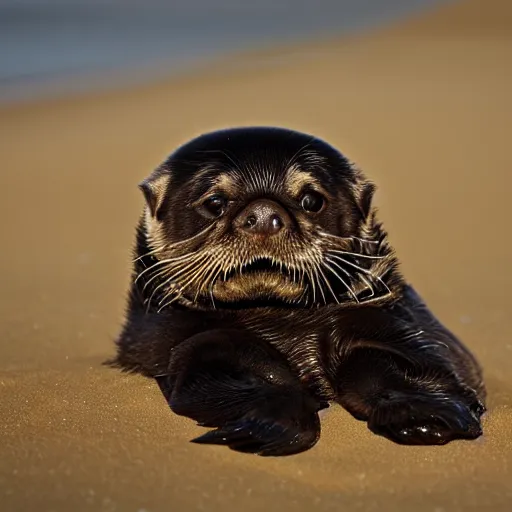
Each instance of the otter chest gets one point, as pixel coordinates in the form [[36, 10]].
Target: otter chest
[[301, 347]]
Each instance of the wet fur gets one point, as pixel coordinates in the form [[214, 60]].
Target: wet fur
[[258, 372]]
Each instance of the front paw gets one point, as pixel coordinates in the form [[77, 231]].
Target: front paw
[[426, 420], [250, 416], [266, 436]]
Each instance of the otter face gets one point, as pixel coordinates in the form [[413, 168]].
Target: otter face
[[257, 216]]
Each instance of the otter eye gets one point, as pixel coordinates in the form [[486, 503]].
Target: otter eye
[[215, 205], [312, 202]]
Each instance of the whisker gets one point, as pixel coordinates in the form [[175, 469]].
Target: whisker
[[204, 274], [311, 279], [213, 278], [172, 277], [148, 269], [211, 285], [359, 255], [171, 247], [328, 284], [166, 271], [193, 276], [366, 271], [345, 238], [167, 293], [303, 294], [187, 240], [345, 284], [168, 303], [207, 270], [179, 289], [150, 253], [190, 271], [161, 285], [163, 262], [163, 272], [316, 269], [368, 284]]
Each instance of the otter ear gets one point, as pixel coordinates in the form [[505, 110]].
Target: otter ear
[[365, 197], [154, 188]]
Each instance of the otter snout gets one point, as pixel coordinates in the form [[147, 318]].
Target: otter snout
[[262, 217]]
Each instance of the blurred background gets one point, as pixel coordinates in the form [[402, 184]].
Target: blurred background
[[51, 46], [95, 94]]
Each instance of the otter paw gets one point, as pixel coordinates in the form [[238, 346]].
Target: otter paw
[[266, 436], [426, 421], [264, 419]]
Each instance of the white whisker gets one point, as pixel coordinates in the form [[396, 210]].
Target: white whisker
[[328, 284], [364, 270], [347, 238], [345, 284], [358, 255]]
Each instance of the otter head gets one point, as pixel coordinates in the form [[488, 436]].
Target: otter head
[[251, 217]]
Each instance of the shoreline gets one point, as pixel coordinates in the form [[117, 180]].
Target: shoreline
[[45, 85]]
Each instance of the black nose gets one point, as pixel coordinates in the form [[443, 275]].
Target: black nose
[[262, 217]]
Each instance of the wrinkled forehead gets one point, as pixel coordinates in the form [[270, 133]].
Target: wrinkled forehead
[[274, 170]]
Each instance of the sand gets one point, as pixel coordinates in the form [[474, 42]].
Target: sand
[[423, 106]]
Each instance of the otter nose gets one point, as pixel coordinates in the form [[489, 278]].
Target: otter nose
[[262, 217]]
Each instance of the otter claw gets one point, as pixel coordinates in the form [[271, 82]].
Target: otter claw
[[425, 423], [260, 438]]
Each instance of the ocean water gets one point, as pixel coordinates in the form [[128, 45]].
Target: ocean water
[[49, 45]]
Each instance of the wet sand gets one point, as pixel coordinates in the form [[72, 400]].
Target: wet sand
[[423, 106]]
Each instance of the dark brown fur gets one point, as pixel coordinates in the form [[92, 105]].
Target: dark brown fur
[[245, 337]]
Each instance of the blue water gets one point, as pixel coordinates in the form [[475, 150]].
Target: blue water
[[45, 42]]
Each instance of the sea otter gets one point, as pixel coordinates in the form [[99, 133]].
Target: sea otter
[[264, 288]]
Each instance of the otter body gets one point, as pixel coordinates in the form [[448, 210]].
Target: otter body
[[264, 288]]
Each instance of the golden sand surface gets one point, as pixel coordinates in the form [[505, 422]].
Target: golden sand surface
[[424, 106]]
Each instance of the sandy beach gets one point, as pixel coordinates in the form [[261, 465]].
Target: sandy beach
[[423, 106]]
